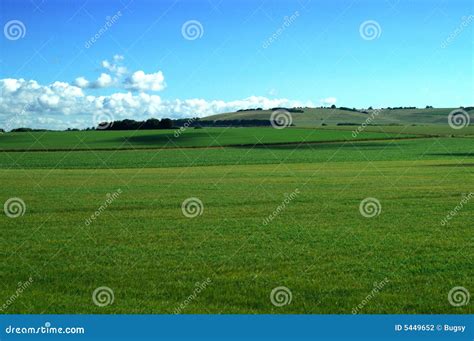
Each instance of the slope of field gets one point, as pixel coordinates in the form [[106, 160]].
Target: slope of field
[[427, 130], [318, 245], [381, 150], [206, 137], [317, 116]]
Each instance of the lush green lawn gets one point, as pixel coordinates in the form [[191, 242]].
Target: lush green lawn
[[319, 246]]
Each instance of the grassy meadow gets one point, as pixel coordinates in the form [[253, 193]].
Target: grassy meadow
[[153, 139], [319, 245]]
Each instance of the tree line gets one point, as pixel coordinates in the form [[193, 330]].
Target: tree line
[[167, 123]]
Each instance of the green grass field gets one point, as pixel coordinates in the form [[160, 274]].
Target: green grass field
[[319, 245], [153, 139]]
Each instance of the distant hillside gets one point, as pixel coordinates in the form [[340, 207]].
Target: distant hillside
[[311, 117]]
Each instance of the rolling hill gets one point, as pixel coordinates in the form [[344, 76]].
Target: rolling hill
[[311, 117]]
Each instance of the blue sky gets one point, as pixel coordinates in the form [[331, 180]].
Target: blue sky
[[421, 54]]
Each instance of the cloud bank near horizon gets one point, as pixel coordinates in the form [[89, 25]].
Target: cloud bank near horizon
[[60, 105]]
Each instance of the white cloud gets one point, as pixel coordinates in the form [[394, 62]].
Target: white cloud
[[111, 79], [137, 81], [140, 81], [31, 104], [118, 58], [61, 105], [48, 101], [81, 82], [329, 101], [115, 68], [11, 85], [104, 81]]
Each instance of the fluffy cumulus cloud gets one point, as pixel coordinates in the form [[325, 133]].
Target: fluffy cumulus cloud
[[26, 103], [61, 105], [115, 67], [117, 76], [103, 81], [81, 82], [328, 101], [140, 81]]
